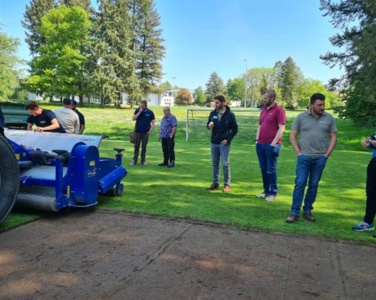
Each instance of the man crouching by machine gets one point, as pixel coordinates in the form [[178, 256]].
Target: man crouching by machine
[[44, 119]]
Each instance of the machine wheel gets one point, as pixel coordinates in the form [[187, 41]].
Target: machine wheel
[[116, 190], [9, 178]]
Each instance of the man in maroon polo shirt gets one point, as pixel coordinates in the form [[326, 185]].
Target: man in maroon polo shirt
[[268, 143]]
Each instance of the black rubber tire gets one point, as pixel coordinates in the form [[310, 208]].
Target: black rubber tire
[[9, 178]]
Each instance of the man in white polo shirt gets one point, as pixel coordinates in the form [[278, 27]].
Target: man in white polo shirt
[[67, 117]]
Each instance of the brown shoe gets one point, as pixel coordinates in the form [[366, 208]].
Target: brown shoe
[[213, 187], [308, 216], [292, 218], [226, 189]]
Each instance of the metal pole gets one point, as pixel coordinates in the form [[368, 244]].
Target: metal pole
[[245, 84]]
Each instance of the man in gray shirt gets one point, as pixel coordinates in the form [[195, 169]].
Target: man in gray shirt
[[314, 127], [67, 117]]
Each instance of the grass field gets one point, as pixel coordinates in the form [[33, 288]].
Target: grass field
[[180, 191]]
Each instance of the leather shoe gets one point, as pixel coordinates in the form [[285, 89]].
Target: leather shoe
[[213, 187], [308, 216], [226, 189], [292, 218]]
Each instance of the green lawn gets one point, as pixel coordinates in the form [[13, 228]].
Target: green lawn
[[180, 192]]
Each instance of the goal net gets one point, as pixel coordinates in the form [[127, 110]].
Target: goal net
[[197, 118]]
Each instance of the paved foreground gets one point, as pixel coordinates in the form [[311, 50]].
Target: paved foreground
[[108, 255]]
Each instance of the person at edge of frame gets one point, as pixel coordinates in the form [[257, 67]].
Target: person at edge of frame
[[370, 211]]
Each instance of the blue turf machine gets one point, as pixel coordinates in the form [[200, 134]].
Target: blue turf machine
[[60, 170]]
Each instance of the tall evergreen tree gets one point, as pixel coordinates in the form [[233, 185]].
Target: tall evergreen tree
[[113, 59], [33, 20], [85, 4], [214, 86], [146, 42], [278, 73], [289, 82]]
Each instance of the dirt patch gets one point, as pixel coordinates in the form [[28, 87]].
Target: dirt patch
[[102, 254]]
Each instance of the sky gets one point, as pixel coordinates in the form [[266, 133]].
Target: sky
[[225, 36]]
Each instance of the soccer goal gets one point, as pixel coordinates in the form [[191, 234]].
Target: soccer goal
[[197, 118]]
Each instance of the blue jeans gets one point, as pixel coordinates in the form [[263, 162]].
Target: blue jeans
[[268, 157], [307, 167], [221, 151]]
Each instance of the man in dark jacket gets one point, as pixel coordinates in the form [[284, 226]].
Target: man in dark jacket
[[222, 123]]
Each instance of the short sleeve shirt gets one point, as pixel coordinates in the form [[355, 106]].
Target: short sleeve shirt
[[44, 120], [314, 132], [269, 122], [143, 122], [81, 117], [68, 119], [167, 124]]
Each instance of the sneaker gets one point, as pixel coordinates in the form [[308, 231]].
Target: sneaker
[[270, 198], [226, 189], [171, 165], [213, 187], [162, 164], [363, 226], [133, 162], [262, 195], [144, 163]]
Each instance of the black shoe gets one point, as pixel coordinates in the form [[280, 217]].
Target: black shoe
[[213, 186], [292, 218], [162, 164], [171, 165], [308, 216]]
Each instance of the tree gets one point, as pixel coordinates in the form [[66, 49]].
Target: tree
[[263, 84], [200, 98], [166, 85], [33, 20], [289, 82], [146, 42], [214, 86], [85, 4], [183, 97], [356, 20], [114, 62], [235, 89], [306, 89], [255, 79], [9, 71], [61, 66]]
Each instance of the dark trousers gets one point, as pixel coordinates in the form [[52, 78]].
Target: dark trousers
[[371, 192], [168, 146], [141, 138]]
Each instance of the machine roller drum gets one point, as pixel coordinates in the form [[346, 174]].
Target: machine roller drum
[[9, 178]]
